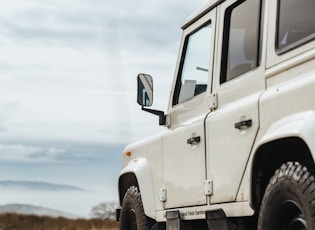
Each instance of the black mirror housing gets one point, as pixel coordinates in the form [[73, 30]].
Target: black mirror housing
[[145, 90]]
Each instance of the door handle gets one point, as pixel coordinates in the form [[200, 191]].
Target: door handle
[[193, 140], [247, 123]]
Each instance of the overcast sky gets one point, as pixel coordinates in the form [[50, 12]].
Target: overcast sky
[[68, 86]]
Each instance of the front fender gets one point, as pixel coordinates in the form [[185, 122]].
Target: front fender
[[139, 167]]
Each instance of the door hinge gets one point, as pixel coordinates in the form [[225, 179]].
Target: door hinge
[[213, 101], [208, 188], [163, 194], [167, 120]]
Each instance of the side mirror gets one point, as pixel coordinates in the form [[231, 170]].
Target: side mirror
[[145, 96], [145, 90]]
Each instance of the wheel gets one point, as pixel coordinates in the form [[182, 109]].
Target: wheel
[[132, 215], [289, 200]]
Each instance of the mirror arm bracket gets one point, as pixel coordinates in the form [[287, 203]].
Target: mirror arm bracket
[[162, 117]]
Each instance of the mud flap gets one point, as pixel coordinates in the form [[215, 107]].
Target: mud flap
[[173, 221], [216, 219], [118, 211]]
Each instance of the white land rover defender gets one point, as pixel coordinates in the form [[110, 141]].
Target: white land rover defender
[[239, 148]]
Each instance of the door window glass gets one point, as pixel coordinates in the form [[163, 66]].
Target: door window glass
[[240, 51], [193, 74], [295, 22]]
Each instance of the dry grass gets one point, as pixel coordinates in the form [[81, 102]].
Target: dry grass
[[32, 222]]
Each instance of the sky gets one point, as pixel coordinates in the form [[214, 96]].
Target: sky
[[68, 106]]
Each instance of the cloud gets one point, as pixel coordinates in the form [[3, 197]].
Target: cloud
[[76, 24], [37, 185], [23, 153], [7, 110], [96, 23], [58, 152]]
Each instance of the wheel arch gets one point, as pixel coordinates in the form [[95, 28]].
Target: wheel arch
[[137, 173], [269, 157], [126, 181]]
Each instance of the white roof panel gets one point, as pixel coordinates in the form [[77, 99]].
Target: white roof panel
[[207, 6]]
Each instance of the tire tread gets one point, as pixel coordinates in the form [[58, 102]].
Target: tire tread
[[133, 200], [300, 174]]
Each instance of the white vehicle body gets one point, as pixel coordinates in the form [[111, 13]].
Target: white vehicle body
[[240, 129]]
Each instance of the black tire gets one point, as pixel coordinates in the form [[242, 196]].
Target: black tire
[[132, 215], [289, 200]]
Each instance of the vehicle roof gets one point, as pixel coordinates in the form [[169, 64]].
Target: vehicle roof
[[205, 8]]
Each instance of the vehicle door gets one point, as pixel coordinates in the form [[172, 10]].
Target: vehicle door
[[239, 81], [184, 159]]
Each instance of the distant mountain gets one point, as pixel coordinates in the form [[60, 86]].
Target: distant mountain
[[35, 185], [34, 210]]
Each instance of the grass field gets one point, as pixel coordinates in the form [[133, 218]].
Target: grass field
[[32, 222]]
